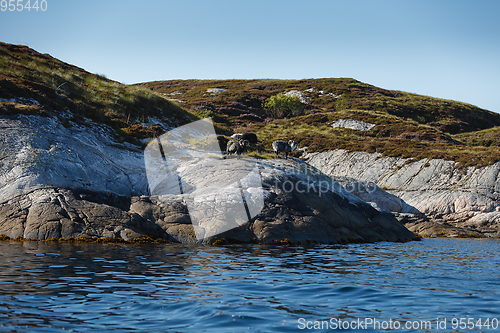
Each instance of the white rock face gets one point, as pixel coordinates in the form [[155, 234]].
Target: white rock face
[[331, 95], [216, 90], [353, 124], [322, 93], [39, 152], [434, 187], [176, 100], [374, 195], [299, 94]]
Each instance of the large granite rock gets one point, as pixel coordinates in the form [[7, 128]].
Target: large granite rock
[[468, 198], [58, 181]]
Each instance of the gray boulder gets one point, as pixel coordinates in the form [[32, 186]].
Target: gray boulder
[[353, 124]]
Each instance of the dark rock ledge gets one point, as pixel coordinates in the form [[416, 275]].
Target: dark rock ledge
[[298, 216]]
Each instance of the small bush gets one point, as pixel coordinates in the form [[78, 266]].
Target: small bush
[[341, 103], [282, 106]]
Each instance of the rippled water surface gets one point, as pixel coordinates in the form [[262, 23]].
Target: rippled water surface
[[48, 287]]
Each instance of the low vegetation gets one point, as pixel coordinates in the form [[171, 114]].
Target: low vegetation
[[35, 83], [406, 125], [282, 106]]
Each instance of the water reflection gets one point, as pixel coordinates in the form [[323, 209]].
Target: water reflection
[[88, 287]]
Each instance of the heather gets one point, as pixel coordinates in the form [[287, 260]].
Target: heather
[[35, 83], [407, 125]]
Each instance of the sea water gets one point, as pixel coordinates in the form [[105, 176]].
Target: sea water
[[435, 285]]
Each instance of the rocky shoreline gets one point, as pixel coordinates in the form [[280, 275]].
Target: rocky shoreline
[[432, 198], [288, 217], [77, 181]]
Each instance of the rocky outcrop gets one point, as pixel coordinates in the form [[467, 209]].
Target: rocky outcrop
[[465, 198], [298, 94], [72, 181], [216, 90], [303, 214], [38, 152], [353, 124], [375, 196]]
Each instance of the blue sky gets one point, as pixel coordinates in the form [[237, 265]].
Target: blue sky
[[448, 49]]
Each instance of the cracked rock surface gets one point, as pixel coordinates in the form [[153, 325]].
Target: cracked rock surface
[[436, 189], [58, 181]]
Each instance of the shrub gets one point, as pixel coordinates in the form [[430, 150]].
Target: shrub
[[341, 103], [282, 106]]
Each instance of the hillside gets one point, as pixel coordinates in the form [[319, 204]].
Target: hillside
[[38, 84], [407, 125]]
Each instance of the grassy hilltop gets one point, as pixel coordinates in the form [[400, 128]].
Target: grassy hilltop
[[407, 125], [38, 84]]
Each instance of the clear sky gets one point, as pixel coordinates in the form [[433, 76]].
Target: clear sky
[[448, 49]]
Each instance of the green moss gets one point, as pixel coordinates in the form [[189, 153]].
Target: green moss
[[357, 85], [264, 156]]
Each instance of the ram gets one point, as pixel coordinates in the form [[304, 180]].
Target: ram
[[236, 147], [280, 146]]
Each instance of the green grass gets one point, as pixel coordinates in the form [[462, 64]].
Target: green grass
[[247, 96], [58, 86], [261, 156], [487, 138]]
